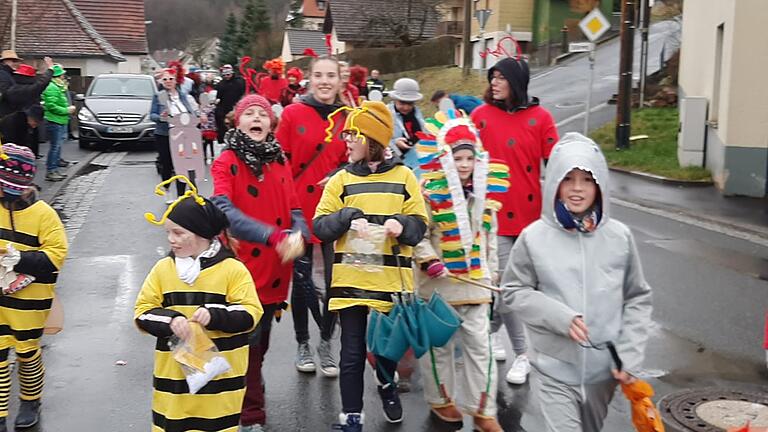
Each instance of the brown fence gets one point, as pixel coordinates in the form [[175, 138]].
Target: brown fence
[[434, 52]]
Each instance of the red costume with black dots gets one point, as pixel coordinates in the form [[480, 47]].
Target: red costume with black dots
[[521, 139], [301, 133], [269, 201]]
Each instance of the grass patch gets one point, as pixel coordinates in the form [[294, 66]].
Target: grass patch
[[655, 155], [446, 78]]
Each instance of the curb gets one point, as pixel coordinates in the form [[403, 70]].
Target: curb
[[663, 180], [60, 186]]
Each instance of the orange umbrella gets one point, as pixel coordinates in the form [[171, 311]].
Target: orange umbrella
[[645, 416]]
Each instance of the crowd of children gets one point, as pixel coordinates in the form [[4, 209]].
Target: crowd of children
[[294, 196], [456, 205]]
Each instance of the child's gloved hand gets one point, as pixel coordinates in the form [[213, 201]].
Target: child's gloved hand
[[436, 269]]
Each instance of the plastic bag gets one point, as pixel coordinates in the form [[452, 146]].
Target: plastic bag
[[10, 281], [366, 250], [199, 358]]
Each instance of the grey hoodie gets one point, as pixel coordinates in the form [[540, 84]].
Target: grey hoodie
[[555, 275]]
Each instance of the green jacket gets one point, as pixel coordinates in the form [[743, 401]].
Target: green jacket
[[55, 103]]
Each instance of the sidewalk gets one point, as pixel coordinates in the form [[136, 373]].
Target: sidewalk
[[700, 202], [70, 151]]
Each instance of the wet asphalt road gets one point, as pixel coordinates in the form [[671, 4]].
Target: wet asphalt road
[[708, 301], [115, 247]]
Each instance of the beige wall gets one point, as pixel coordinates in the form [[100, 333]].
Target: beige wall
[[742, 114], [132, 64], [517, 13]]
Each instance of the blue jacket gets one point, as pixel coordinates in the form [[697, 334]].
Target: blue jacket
[[410, 158], [465, 103], [157, 108]]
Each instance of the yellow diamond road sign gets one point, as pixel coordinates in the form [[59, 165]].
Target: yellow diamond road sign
[[594, 25]]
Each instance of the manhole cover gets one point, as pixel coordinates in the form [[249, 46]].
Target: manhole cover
[[713, 410], [730, 413], [566, 105]]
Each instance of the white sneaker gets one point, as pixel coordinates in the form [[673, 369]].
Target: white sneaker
[[518, 373], [499, 353]]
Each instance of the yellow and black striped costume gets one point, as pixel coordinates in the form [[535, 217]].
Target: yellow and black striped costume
[[391, 192], [35, 229], [226, 289]]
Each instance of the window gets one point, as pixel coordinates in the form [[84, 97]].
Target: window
[[717, 77], [321, 5]]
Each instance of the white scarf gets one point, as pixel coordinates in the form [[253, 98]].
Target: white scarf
[[188, 268]]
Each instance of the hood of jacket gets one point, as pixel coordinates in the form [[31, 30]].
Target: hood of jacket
[[574, 150], [361, 168], [324, 110]]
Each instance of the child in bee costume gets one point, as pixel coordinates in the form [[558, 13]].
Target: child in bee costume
[[459, 183], [200, 281], [35, 246]]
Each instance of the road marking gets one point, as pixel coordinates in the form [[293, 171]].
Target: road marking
[[543, 74], [717, 227], [581, 114]]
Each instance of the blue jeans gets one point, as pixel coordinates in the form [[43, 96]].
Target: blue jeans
[[56, 135]]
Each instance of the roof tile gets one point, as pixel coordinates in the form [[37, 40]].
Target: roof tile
[[120, 21], [54, 28]]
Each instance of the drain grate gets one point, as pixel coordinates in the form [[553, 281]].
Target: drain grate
[[713, 410]]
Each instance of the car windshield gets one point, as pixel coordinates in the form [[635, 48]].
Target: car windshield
[[122, 87]]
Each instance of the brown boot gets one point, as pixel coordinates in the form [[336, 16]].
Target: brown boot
[[487, 424], [448, 414]]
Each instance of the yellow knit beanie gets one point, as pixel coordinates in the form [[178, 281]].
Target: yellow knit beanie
[[374, 120]]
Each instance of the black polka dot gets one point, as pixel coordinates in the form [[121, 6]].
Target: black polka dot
[[319, 147], [301, 129], [550, 140], [511, 142], [529, 168], [310, 188], [532, 122], [279, 222], [253, 191], [302, 165], [276, 283], [510, 215], [255, 252], [482, 124], [530, 197], [233, 169], [282, 180]]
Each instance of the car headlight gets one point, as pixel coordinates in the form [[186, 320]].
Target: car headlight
[[86, 115]]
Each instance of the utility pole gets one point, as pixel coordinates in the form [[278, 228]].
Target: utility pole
[[14, 13], [624, 101], [645, 24], [465, 38]]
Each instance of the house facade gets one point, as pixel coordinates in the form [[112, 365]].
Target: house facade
[[534, 24], [722, 63], [87, 37]]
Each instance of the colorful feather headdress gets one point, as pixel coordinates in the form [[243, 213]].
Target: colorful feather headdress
[[459, 224]]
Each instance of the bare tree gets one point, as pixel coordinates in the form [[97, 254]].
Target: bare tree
[[407, 21]]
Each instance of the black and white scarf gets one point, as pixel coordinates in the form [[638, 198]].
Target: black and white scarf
[[255, 154]]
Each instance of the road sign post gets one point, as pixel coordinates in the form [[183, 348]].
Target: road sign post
[[594, 25]]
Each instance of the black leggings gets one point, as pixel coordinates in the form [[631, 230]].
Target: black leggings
[[354, 321], [304, 296], [166, 163]]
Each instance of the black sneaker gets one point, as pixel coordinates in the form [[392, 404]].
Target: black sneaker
[[29, 414], [63, 163], [390, 401], [352, 422]]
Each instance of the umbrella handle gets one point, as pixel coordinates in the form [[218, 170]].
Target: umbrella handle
[[615, 355]]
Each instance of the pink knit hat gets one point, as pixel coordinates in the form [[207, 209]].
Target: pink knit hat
[[254, 100]]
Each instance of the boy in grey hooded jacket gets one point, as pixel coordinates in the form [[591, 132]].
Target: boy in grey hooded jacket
[[575, 279]]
